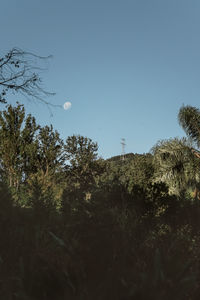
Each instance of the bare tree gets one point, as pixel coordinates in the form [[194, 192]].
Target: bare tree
[[19, 73]]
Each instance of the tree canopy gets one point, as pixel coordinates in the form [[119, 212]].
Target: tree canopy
[[73, 225]]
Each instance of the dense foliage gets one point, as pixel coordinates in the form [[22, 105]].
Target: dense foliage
[[74, 226]]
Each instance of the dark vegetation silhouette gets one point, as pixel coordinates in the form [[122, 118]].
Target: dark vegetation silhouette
[[76, 226]]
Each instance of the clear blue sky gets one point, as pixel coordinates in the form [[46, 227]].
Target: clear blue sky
[[127, 66]]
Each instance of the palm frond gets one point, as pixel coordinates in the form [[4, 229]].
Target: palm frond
[[189, 119], [175, 163]]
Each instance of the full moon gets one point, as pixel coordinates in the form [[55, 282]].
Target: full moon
[[67, 105]]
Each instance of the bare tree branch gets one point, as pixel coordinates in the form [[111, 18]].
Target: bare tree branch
[[19, 73]]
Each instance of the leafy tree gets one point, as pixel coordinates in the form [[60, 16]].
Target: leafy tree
[[83, 167], [82, 173], [50, 156], [140, 171], [29, 147], [17, 148], [45, 184], [137, 169], [30, 155]]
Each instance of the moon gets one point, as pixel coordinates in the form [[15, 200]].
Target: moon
[[67, 105]]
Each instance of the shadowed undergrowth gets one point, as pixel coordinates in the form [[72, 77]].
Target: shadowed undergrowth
[[111, 247]]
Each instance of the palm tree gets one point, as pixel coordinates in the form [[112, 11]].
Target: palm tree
[[189, 119], [177, 160], [175, 164]]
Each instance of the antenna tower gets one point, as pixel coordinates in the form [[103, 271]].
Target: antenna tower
[[123, 148]]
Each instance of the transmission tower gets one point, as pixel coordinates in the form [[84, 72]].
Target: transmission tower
[[123, 148]]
